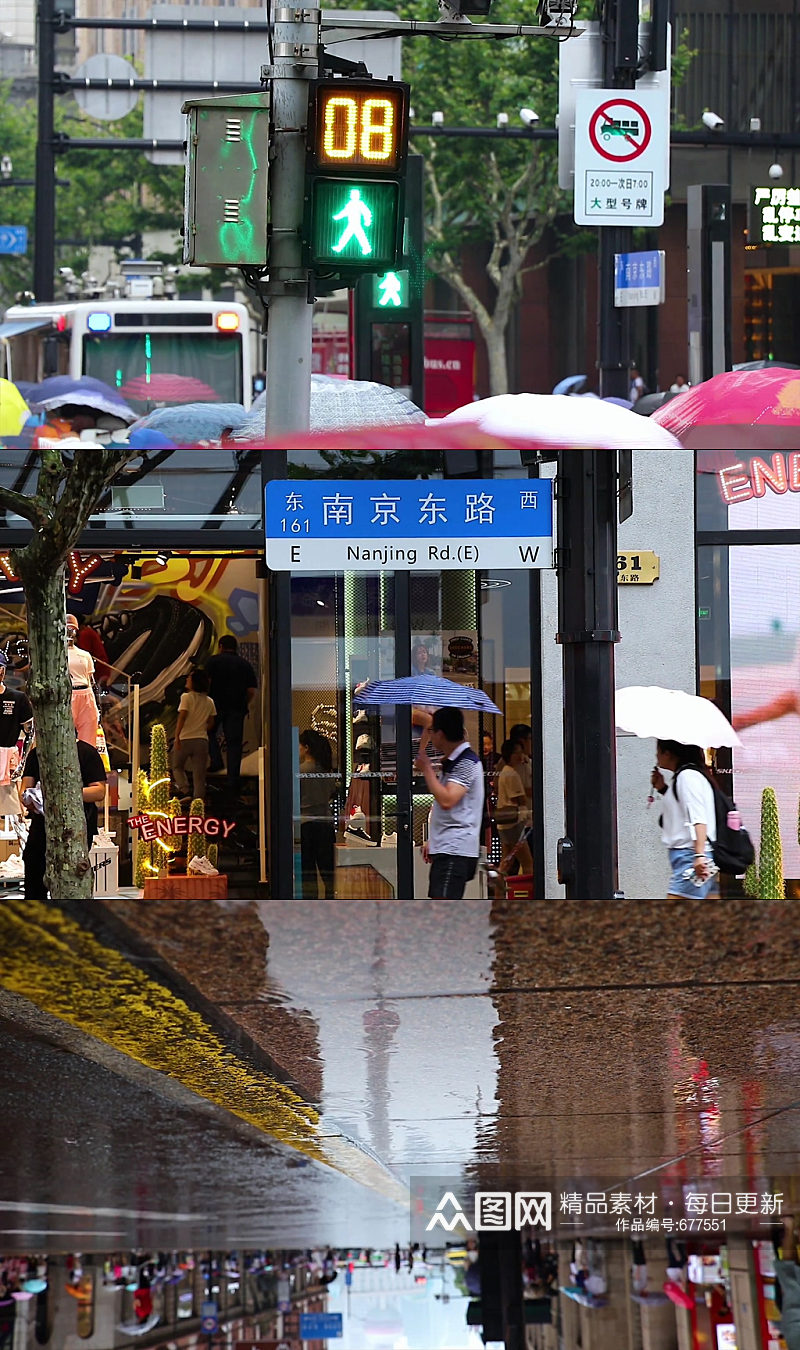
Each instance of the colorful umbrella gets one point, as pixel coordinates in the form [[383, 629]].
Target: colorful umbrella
[[427, 691], [164, 387], [556, 420], [58, 390], [13, 409], [751, 409]]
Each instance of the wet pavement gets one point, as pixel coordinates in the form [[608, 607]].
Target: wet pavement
[[275, 1073]]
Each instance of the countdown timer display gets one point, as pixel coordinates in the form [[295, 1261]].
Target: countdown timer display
[[358, 126]]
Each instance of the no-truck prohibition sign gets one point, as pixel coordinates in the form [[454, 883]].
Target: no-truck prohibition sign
[[620, 130]]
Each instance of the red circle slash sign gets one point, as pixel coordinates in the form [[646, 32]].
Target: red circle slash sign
[[620, 130]]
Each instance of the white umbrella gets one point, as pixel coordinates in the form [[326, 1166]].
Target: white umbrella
[[557, 419], [672, 715]]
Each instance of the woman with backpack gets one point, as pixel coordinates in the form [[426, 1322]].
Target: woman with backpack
[[688, 820]]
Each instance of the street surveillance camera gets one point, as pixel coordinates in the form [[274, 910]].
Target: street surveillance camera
[[560, 12], [528, 116], [437, 119], [502, 119], [712, 120], [775, 170], [456, 11], [411, 114], [755, 123], [6, 166]]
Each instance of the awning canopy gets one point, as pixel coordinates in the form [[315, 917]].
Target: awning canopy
[[16, 326]]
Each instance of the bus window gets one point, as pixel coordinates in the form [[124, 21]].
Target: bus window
[[181, 367]]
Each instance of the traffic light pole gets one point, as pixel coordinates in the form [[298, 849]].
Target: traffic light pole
[[586, 562], [289, 311], [44, 245], [614, 336]]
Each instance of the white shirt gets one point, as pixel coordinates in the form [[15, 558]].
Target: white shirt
[[198, 708], [457, 831], [694, 805], [81, 666]]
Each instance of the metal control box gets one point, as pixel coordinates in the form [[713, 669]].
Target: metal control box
[[227, 177]]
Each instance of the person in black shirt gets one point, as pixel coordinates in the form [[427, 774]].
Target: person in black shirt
[[93, 775], [233, 688], [16, 711]]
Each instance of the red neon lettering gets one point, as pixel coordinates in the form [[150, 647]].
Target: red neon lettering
[[148, 828], [195, 825], [763, 475], [163, 827], [212, 826], [734, 484], [793, 466]]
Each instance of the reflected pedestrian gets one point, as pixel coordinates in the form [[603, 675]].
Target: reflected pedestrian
[[317, 830], [453, 845], [233, 688]]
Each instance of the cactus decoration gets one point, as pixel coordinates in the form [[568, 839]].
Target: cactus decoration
[[197, 842], [770, 861], [212, 853], [752, 881], [152, 857]]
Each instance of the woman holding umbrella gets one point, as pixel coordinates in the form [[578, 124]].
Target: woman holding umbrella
[[688, 820]]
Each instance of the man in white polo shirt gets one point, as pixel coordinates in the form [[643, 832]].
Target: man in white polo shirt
[[453, 845]]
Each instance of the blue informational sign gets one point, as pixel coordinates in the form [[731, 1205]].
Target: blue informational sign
[[209, 1319], [320, 1326], [348, 1277], [409, 525], [13, 239], [639, 278]]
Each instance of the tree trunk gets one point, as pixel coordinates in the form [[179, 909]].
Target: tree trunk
[[498, 360], [68, 873]]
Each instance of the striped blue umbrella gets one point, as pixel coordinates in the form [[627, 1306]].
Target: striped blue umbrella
[[426, 691]]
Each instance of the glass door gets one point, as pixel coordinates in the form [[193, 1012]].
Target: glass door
[[350, 795]]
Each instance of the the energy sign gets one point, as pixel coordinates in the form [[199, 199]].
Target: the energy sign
[[356, 160]]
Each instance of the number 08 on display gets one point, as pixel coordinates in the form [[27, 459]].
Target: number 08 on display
[[360, 126]]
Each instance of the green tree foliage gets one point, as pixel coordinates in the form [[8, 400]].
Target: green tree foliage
[[112, 198], [501, 194]]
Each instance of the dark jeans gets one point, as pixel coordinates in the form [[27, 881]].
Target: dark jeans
[[232, 726], [34, 861], [450, 875], [317, 842]]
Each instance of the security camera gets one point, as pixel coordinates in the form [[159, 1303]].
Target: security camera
[[528, 116], [775, 170], [6, 166], [560, 12], [411, 114], [502, 119], [437, 119], [712, 120]]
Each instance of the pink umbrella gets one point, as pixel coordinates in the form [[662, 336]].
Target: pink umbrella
[[751, 409], [167, 388]]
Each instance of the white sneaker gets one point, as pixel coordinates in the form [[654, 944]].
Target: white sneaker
[[202, 867], [389, 841], [103, 839]]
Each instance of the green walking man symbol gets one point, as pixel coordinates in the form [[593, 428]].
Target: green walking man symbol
[[390, 288], [356, 214]]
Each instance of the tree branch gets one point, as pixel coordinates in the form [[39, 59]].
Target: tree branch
[[30, 508]]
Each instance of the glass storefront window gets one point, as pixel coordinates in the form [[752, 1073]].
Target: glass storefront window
[[748, 596]]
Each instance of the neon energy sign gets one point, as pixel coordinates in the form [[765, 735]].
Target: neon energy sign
[[741, 482], [157, 827]]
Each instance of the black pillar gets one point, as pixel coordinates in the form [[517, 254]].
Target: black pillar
[[619, 30], [503, 1312], [403, 786], [280, 810], [588, 628], [44, 245]]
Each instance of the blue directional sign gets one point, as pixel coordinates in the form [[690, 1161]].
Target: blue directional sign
[[209, 1319], [409, 525], [639, 278], [13, 239], [320, 1326]]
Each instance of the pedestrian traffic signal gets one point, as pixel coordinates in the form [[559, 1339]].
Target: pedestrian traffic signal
[[356, 159]]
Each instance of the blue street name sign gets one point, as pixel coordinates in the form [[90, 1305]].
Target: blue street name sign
[[409, 525], [209, 1319], [13, 239], [320, 1326], [639, 278]]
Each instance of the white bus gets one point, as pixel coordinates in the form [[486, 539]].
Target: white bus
[[154, 352]]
